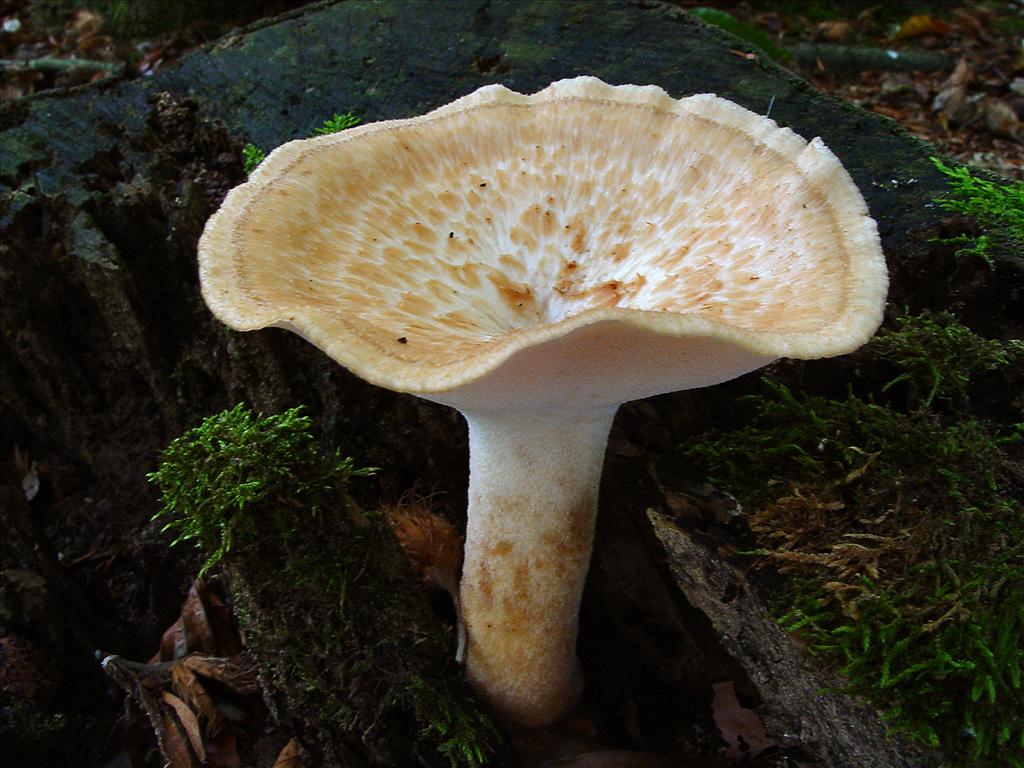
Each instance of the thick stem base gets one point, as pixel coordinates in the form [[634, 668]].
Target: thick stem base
[[532, 502]]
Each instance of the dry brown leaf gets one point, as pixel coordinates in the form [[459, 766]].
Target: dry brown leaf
[[188, 721], [204, 626], [84, 23], [139, 681], [866, 17], [290, 756], [833, 31], [741, 728], [219, 616], [434, 549], [173, 744], [895, 114], [172, 643], [433, 546], [1001, 119], [187, 686], [222, 752], [195, 715], [238, 677], [199, 636], [954, 101], [95, 46], [968, 23], [29, 472], [920, 25]]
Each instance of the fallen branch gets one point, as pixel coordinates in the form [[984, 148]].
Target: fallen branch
[[850, 59], [53, 64]]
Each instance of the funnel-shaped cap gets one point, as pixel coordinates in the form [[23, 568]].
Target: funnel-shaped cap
[[588, 232]]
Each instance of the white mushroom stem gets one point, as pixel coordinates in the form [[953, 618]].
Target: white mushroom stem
[[532, 503]]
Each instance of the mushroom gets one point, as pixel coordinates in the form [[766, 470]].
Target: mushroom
[[535, 261]]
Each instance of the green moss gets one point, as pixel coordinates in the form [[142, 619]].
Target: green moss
[[337, 123], [328, 602], [213, 474], [938, 356], [998, 210], [459, 733], [902, 535], [252, 155]]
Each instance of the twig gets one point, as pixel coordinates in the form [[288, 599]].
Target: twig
[[850, 59], [53, 64]]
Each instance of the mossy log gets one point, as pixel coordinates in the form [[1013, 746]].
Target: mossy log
[[109, 352]]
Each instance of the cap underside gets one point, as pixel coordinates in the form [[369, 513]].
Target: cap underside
[[423, 253]]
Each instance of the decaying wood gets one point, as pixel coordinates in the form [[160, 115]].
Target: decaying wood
[[800, 704], [109, 352]]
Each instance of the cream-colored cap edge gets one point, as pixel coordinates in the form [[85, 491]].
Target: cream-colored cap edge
[[853, 326]]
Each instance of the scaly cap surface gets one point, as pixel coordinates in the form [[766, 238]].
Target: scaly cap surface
[[427, 254]]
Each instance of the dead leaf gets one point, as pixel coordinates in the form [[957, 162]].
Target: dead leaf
[[95, 47], [968, 23], [833, 31], [204, 626], [865, 17], [29, 471], [172, 643], [1001, 119], [238, 677], [188, 721], [218, 614], [920, 25], [173, 744], [953, 101], [434, 549], [290, 756], [141, 682], [190, 690], [194, 713], [199, 636], [222, 752], [742, 729], [431, 543], [84, 23], [895, 114]]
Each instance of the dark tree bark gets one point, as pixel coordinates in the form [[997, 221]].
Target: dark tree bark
[[109, 352]]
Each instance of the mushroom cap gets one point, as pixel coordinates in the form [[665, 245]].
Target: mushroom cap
[[658, 244]]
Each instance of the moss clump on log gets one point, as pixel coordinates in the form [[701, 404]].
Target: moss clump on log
[[996, 211], [900, 530], [328, 603]]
